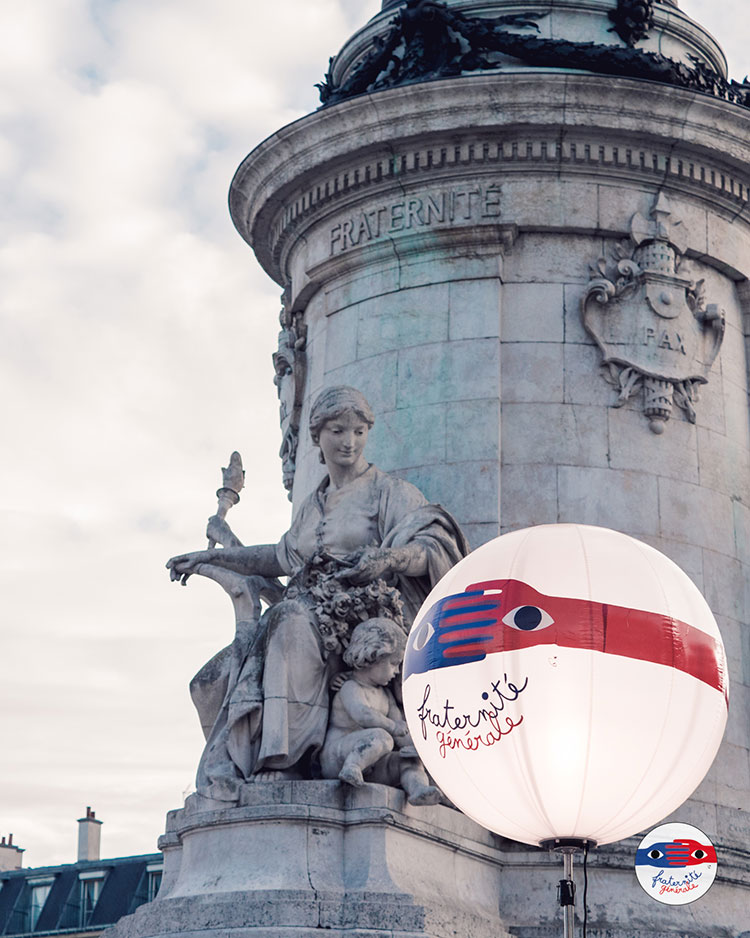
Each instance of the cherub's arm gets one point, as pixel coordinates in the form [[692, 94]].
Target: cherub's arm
[[396, 714], [353, 698]]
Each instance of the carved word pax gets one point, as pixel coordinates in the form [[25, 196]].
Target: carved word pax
[[654, 328]]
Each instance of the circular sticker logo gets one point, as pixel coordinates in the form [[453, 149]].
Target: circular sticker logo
[[675, 864]]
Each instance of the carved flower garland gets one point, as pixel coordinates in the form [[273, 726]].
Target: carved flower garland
[[339, 609]]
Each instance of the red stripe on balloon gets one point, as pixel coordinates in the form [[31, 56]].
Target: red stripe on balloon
[[580, 623]]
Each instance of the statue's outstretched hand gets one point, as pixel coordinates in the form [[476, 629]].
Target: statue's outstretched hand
[[181, 566]]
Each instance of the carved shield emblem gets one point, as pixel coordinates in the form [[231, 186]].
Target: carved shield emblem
[[653, 326]]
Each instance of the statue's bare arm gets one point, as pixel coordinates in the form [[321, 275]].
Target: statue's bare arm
[[258, 560]]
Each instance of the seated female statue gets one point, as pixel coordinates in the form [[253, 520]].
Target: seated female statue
[[363, 545]]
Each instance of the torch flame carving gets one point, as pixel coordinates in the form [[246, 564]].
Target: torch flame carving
[[233, 481]]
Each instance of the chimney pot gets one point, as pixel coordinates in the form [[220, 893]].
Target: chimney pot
[[11, 857], [89, 836]]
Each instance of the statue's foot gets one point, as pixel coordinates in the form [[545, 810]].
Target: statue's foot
[[352, 775], [276, 775], [424, 794]]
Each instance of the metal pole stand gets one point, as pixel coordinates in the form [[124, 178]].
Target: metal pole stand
[[566, 890]]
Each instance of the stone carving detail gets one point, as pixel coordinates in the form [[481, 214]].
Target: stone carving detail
[[632, 19], [653, 326], [232, 483], [289, 363], [367, 732], [427, 39], [363, 548]]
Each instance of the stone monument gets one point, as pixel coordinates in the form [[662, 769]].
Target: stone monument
[[521, 229]]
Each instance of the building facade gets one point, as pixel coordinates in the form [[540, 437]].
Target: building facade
[[79, 899]]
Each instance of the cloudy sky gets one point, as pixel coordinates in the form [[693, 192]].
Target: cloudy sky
[[135, 338]]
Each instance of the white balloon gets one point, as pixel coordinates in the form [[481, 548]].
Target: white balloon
[[566, 681]]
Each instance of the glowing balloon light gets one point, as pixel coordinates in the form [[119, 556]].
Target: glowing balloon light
[[566, 681]]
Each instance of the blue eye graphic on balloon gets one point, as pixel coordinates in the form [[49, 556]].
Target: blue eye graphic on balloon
[[528, 619], [423, 634]]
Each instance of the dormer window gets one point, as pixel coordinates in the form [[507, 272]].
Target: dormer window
[[91, 887], [39, 890], [154, 872]]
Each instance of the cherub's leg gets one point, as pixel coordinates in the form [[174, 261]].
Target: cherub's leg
[[368, 746], [416, 784]]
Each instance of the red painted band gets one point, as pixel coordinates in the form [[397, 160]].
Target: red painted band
[[578, 623]]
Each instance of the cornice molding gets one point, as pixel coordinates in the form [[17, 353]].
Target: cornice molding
[[491, 125]]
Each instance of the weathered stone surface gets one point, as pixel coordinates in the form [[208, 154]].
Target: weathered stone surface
[[687, 556], [410, 437], [474, 308], [633, 446], [376, 375], [575, 332], [471, 487], [561, 434], [454, 371], [627, 500], [478, 534], [529, 495], [472, 427], [341, 335], [532, 312], [739, 717], [532, 371], [551, 258], [724, 579], [312, 855], [696, 515], [581, 362], [418, 316]]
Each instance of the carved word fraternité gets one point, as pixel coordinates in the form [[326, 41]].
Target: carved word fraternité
[[410, 213]]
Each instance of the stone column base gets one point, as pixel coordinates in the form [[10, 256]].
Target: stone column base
[[297, 857]]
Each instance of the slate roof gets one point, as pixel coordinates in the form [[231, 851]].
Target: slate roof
[[124, 886]]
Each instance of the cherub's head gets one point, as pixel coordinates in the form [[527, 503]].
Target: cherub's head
[[377, 648]]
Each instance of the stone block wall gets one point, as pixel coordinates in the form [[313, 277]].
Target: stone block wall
[[426, 354], [438, 241]]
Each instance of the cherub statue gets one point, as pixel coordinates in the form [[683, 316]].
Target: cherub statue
[[366, 723]]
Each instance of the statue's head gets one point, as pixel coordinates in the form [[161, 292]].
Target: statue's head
[[335, 402], [373, 640]]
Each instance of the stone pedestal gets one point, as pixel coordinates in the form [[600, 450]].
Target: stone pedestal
[[298, 857]]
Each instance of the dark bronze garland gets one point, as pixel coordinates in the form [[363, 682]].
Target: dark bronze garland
[[428, 40]]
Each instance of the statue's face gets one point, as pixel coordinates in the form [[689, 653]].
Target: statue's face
[[382, 671], [343, 439]]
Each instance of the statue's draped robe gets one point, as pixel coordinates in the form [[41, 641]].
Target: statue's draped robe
[[273, 681]]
